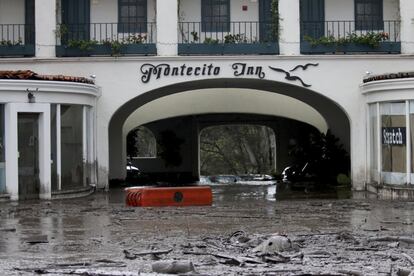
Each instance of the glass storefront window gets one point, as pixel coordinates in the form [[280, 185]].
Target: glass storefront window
[[412, 139], [53, 147], [394, 146], [72, 146], [373, 134], [2, 148]]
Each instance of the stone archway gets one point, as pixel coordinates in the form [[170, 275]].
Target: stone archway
[[334, 115]]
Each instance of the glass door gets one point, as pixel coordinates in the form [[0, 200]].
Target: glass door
[[28, 147]]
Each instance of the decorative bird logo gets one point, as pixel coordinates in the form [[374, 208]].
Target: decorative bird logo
[[289, 77], [295, 78], [304, 67]]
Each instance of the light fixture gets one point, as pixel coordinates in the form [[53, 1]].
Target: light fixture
[[31, 96]]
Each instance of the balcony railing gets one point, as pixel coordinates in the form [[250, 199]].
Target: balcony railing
[[321, 37], [219, 38], [104, 39], [17, 40]]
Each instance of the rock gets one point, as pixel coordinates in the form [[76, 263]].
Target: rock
[[172, 267], [274, 244]]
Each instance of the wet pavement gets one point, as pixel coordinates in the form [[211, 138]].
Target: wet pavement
[[89, 236]]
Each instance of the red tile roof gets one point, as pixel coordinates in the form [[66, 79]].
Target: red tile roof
[[30, 75], [390, 76]]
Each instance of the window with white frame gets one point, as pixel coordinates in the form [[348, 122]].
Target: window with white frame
[[132, 16], [369, 15], [215, 15], [393, 140]]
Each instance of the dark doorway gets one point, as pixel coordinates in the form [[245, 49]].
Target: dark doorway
[[266, 27], [29, 31], [312, 18], [76, 19], [28, 148]]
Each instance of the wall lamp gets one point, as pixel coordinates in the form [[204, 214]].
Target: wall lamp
[[31, 96]]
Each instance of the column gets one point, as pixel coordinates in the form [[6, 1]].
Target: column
[[167, 27], [58, 148], [85, 144], [11, 146], [407, 26], [45, 27], [408, 141], [289, 30], [45, 174]]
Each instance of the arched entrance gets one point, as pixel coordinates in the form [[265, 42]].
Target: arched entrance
[[303, 105]]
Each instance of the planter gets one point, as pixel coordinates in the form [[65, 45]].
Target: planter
[[228, 49], [17, 50], [106, 50], [384, 47]]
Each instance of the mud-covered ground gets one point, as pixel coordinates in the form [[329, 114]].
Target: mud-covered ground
[[99, 235]]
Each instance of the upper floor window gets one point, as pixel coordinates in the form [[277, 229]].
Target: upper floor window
[[132, 16], [215, 15], [368, 15]]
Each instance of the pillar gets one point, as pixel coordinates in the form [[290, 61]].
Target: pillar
[[45, 26], [167, 30], [407, 26], [289, 30]]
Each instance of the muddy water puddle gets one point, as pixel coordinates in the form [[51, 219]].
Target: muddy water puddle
[[90, 235]]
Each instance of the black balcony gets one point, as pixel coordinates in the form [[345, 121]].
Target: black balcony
[[17, 40], [229, 38], [106, 39], [349, 37]]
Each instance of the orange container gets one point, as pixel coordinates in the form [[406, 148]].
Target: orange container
[[169, 196]]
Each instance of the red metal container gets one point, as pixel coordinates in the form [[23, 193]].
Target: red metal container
[[169, 196]]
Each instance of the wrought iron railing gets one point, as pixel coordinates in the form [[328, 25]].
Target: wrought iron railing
[[17, 40], [137, 33], [106, 39], [389, 29], [227, 32], [350, 37]]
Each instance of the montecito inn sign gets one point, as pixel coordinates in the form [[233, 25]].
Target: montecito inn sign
[[151, 72]]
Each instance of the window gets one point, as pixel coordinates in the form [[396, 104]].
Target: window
[[368, 15], [215, 15], [71, 144], [394, 145], [132, 16]]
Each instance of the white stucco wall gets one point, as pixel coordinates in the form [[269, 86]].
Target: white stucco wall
[[12, 12], [391, 10], [345, 10], [106, 11], [190, 10], [340, 10], [242, 22]]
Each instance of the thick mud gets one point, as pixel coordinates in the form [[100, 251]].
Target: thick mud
[[99, 235]]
